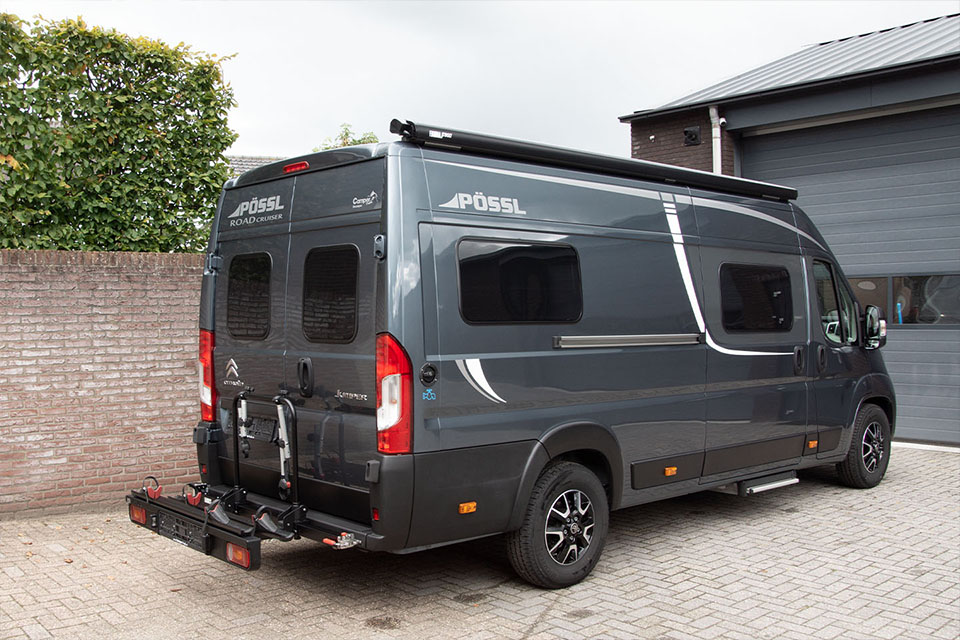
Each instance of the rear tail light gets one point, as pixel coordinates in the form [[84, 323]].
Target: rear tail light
[[138, 514], [394, 396], [238, 555], [208, 388]]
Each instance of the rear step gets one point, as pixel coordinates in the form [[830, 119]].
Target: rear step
[[759, 485]]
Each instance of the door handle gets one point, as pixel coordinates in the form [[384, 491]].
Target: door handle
[[798, 363], [305, 377], [821, 358]]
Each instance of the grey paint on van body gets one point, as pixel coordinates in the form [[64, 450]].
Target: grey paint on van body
[[646, 378]]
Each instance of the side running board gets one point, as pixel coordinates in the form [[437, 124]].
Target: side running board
[[759, 485]]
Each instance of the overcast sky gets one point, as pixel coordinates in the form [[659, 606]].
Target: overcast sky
[[551, 72]]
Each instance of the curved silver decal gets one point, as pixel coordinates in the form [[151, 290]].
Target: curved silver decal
[[473, 373], [744, 211]]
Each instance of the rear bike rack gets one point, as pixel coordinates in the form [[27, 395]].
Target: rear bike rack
[[281, 524]]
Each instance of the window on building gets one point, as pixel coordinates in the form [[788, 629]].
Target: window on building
[[755, 298], [508, 282], [330, 294], [926, 300], [248, 296], [870, 291]]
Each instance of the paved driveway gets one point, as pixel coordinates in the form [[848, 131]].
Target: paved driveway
[[814, 560]]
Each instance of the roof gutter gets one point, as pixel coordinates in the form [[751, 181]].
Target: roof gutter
[[793, 88]]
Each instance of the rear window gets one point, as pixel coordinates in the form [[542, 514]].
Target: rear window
[[503, 282], [330, 294], [755, 298], [248, 296]]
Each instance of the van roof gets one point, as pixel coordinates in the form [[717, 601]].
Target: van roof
[[444, 138]]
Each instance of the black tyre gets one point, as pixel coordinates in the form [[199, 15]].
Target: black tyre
[[564, 528], [869, 453]]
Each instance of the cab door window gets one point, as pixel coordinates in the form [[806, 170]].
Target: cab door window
[[848, 315], [838, 313]]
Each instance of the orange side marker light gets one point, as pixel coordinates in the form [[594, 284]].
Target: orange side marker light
[[467, 507], [669, 471]]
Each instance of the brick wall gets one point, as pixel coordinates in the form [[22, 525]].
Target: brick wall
[[98, 382], [667, 145]]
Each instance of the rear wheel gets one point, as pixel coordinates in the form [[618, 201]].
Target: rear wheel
[[869, 452], [564, 528]]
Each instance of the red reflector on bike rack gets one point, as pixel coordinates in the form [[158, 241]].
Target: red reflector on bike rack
[[238, 555], [138, 514]]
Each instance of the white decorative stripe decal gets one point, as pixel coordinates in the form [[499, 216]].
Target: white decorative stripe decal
[[684, 266], [473, 373]]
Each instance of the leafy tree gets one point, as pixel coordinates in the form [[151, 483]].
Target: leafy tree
[[107, 142], [347, 138]]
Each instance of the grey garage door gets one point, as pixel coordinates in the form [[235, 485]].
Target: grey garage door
[[886, 194]]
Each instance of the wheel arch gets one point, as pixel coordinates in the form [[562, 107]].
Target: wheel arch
[[587, 443], [876, 389]]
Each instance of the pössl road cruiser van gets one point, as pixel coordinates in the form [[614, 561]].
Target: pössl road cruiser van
[[410, 344]]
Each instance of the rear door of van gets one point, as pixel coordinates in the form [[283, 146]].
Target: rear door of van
[[330, 333], [249, 318]]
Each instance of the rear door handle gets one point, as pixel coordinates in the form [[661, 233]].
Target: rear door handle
[[821, 358], [305, 377], [798, 362]]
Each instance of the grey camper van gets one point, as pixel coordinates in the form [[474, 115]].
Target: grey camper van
[[451, 336]]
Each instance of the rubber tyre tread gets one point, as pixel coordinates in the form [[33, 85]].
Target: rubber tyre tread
[[851, 471], [526, 548]]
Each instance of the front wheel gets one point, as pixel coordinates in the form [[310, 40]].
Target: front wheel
[[869, 452], [564, 528]]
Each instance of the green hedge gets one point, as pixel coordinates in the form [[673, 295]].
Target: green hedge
[[107, 142]]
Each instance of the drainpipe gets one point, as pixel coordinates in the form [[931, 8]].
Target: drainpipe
[[715, 126]]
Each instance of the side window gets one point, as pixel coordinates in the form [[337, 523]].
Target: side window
[[827, 302], [248, 296], [330, 294], [506, 282], [755, 298]]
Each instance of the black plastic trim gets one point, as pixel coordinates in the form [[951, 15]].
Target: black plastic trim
[[829, 440], [650, 473], [752, 454]]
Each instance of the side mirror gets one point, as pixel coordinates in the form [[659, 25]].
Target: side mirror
[[874, 328]]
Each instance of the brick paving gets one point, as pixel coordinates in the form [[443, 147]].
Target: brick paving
[[814, 560]]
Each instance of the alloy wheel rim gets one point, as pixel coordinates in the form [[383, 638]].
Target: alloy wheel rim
[[569, 527], [871, 447]]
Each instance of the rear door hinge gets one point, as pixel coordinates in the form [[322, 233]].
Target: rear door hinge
[[379, 246], [213, 262]]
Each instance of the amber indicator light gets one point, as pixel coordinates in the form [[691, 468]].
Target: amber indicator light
[[669, 471], [812, 444], [467, 507]]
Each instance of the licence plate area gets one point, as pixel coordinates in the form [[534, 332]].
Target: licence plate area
[[262, 429], [235, 542], [180, 530]]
